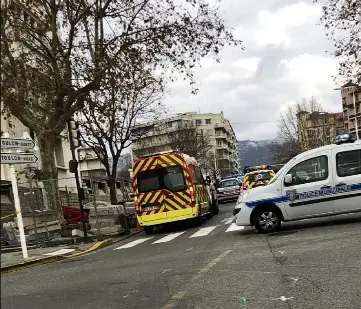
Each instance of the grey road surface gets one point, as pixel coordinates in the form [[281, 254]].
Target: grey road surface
[[309, 264]]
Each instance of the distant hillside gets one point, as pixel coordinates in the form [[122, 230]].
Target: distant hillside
[[255, 152]]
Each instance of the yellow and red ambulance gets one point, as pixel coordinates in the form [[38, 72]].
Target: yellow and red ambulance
[[169, 186]]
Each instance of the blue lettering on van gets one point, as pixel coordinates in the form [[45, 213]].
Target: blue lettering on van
[[293, 196]]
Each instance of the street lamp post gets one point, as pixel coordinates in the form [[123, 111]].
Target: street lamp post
[[354, 106]]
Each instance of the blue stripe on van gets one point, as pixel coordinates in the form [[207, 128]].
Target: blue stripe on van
[[309, 194]]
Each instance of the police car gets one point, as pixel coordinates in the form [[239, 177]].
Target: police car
[[320, 182], [257, 179]]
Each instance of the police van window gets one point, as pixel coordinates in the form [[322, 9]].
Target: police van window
[[348, 163], [170, 178], [311, 170]]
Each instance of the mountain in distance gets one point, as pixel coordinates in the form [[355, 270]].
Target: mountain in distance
[[255, 152]]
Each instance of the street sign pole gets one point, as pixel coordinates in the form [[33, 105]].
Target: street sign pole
[[19, 217], [12, 158]]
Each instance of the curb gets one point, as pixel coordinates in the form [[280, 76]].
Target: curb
[[47, 260], [33, 263]]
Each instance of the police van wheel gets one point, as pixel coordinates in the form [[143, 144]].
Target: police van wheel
[[267, 220], [149, 229]]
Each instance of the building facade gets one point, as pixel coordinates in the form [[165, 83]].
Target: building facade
[[223, 154], [351, 106], [318, 128]]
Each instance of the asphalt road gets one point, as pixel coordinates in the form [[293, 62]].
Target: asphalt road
[[309, 264]]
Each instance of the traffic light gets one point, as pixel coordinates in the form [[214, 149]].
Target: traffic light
[[74, 133]]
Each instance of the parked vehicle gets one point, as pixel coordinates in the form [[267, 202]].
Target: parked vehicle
[[320, 182], [257, 179], [228, 189], [168, 187]]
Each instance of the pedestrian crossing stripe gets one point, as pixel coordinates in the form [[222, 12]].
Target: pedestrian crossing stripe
[[203, 231], [200, 233]]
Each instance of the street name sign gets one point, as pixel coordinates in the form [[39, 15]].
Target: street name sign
[[17, 143], [18, 158]]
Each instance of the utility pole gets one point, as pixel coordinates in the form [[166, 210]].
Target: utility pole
[[73, 167]]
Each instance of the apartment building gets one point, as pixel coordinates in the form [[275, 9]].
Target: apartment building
[[318, 128], [62, 154], [223, 154], [351, 105]]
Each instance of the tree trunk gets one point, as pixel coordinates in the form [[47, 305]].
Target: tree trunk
[[49, 172], [111, 182], [112, 191]]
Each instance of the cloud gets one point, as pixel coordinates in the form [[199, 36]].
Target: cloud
[[284, 61], [274, 26]]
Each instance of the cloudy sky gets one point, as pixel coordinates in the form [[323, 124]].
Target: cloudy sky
[[285, 60]]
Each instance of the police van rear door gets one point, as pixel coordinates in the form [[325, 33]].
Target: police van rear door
[[311, 191]]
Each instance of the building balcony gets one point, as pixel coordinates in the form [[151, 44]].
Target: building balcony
[[220, 126], [351, 116], [99, 173], [221, 136], [223, 157]]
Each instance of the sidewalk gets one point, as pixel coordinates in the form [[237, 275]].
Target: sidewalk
[[13, 261]]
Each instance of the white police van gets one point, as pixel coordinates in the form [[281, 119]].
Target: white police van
[[321, 182]]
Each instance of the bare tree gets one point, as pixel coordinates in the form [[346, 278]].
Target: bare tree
[[55, 53], [193, 141], [341, 19], [111, 114], [292, 137]]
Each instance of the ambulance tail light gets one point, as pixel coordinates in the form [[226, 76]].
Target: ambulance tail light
[[136, 203], [193, 197]]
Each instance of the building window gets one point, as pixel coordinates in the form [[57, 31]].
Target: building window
[[198, 122], [59, 154], [208, 121]]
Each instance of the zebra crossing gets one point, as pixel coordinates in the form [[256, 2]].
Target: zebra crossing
[[201, 232]]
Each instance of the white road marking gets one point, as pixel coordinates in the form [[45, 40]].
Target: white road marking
[[234, 227], [133, 243], [168, 237], [230, 220], [204, 231], [59, 252]]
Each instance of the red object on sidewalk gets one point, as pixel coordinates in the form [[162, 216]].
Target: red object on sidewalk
[[139, 228], [72, 215]]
